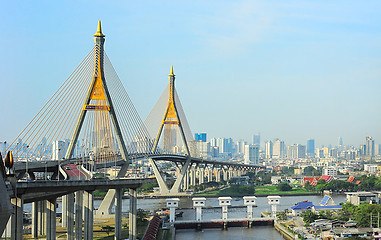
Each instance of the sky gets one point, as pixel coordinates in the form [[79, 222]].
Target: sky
[[286, 69]]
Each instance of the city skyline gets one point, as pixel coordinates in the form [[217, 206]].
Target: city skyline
[[287, 70]]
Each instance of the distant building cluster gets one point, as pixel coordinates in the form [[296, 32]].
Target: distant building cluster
[[331, 160]]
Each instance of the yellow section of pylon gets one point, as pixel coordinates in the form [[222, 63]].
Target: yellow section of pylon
[[171, 116], [98, 93], [99, 30], [171, 73]]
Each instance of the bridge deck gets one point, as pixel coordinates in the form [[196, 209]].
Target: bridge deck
[[43, 189]]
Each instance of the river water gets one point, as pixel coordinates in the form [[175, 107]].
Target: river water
[[255, 233]]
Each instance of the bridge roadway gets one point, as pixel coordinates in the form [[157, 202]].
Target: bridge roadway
[[52, 165], [38, 190]]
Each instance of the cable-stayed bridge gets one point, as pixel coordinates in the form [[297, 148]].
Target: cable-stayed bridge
[[92, 121]]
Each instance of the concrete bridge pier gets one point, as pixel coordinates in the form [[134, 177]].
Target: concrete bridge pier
[[193, 177], [230, 173], [35, 219], [186, 181], [51, 219], [70, 216], [118, 214], [17, 218], [64, 210], [225, 175], [218, 175], [235, 173], [41, 223], [88, 203], [210, 175], [200, 176], [78, 214], [132, 228]]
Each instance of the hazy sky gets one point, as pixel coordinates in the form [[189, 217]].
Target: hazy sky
[[287, 69]]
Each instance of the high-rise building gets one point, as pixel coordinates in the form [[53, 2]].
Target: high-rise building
[[377, 150], [58, 150], [278, 149], [213, 142], [296, 151], [257, 139], [269, 149], [310, 147], [225, 145], [204, 149], [362, 150], [200, 137], [251, 154], [369, 146], [319, 153], [241, 146], [340, 141]]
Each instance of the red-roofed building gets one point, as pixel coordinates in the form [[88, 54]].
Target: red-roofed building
[[311, 180], [351, 179], [327, 178]]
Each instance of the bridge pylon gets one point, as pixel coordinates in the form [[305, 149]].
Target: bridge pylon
[[171, 119], [98, 99]]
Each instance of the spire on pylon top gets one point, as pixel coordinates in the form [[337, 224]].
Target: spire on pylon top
[[99, 30], [171, 73]]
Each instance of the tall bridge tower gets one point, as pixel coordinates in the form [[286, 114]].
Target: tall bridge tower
[[98, 99], [170, 121]]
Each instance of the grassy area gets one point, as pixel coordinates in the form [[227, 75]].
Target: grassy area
[[211, 193], [270, 189]]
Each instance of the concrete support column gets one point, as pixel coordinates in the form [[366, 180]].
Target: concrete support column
[[78, 214], [193, 177], [225, 175], [64, 211], [201, 176], [51, 219], [41, 223], [218, 175], [17, 218], [118, 214], [88, 202], [132, 215], [230, 174], [210, 175], [70, 216], [186, 180], [35, 219]]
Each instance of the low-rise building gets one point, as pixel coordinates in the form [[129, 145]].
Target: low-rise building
[[356, 198]]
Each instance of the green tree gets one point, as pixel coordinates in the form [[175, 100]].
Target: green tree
[[347, 212], [309, 217], [284, 187]]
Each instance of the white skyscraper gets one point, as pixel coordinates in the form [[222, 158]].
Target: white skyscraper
[[278, 149], [257, 139], [251, 154], [213, 142], [296, 151], [269, 149], [241, 146], [58, 150], [204, 149], [370, 146]]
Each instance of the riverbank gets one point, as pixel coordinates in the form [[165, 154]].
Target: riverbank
[[285, 232]]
